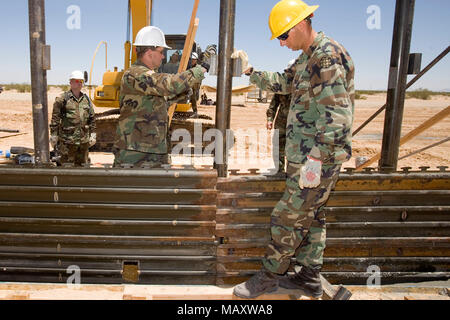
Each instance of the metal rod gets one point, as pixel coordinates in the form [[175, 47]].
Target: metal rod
[[8, 130], [414, 80], [426, 148], [401, 42], [36, 13], [224, 81]]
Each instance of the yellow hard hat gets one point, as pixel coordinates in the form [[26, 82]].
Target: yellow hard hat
[[286, 14]]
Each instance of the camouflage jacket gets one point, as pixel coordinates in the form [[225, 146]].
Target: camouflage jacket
[[72, 119], [145, 96], [321, 84], [281, 102]]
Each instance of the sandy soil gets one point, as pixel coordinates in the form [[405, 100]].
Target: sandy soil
[[16, 113]]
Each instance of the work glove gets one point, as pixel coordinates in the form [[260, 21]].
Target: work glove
[[53, 141], [92, 139], [310, 173]]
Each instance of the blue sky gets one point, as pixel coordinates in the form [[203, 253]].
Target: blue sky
[[343, 20]]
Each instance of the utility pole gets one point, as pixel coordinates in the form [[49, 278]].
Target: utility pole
[[40, 63]]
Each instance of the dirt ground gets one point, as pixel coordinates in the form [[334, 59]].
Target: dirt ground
[[16, 113]]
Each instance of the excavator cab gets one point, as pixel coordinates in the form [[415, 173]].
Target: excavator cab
[[107, 94]]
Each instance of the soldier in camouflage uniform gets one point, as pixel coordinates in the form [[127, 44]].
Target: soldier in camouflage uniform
[[280, 103], [145, 96], [318, 141], [72, 128]]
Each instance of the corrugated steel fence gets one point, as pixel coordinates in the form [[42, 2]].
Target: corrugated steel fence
[[397, 224], [128, 225], [184, 226]]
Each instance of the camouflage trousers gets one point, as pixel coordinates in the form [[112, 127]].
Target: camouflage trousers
[[298, 222], [77, 154], [280, 124], [138, 159], [195, 96]]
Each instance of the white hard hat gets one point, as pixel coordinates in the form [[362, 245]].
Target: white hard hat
[[77, 75], [194, 55], [291, 63], [151, 36]]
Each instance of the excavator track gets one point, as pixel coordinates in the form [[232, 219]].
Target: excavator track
[[106, 124]]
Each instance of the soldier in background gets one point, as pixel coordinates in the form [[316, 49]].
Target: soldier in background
[[280, 103], [196, 87], [72, 128], [145, 96], [318, 141]]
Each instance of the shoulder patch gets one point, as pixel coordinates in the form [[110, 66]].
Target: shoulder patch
[[325, 62]]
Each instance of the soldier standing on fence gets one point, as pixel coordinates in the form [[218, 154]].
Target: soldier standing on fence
[[318, 141]]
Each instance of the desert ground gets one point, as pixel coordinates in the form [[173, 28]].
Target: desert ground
[[246, 114], [16, 113]]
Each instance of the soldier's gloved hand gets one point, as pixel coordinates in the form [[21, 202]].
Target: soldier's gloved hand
[[205, 65], [92, 139], [310, 173], [53, 141], [248, 71]]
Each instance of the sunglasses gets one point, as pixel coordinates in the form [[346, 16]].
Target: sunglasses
[[77, 81], [284, 36]]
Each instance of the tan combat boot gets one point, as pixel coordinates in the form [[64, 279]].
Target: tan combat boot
[[262, 282]]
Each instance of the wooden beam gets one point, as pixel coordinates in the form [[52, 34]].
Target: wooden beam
[[190, 36], [424, 126]]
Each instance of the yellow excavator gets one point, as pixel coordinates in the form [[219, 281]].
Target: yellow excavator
[[107, 94]]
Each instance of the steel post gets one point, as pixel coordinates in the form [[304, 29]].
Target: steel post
[[224, 81], [36, 12], [404, 14]]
